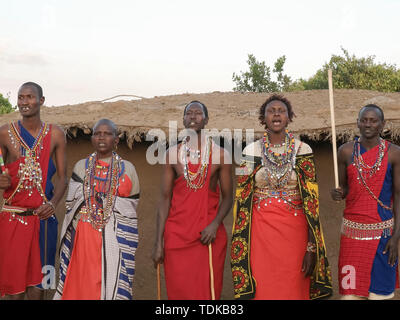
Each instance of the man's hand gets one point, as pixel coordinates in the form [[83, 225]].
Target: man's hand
[[158, 255], [392, 249], [45, 211], [209, 233], [5, 180]]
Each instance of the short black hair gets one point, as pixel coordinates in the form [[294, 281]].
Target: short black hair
[[107, 122], [38, 88], [200, 103], [276, 97], [373, 106]]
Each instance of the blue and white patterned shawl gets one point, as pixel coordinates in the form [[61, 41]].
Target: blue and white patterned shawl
[[120, 240]]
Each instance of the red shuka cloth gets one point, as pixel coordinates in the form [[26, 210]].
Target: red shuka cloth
[[20, 265], [186, 260], [83, 280], [361, 208], [278, 245]]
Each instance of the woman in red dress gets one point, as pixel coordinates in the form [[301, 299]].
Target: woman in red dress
[[278, 250]]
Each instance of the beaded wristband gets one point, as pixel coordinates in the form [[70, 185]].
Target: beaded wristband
[[311, 247]]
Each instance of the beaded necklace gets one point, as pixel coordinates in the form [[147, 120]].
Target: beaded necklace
[[15, 136], [278, 166], [365, 171], [99, 212], [29, 172], [359, 161], [195, 180]]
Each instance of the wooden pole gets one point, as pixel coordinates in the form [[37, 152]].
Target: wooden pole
[[158, 283], [211, 272], [333, 125], [45, 255]]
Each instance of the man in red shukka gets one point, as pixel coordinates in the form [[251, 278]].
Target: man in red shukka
[[190, 214], [369, 175], [33, 152]]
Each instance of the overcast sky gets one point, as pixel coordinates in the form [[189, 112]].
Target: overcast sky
[[91, 50]]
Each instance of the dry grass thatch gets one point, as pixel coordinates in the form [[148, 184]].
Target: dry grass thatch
[[227, 110]]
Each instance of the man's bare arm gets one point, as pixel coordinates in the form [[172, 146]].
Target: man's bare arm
[[60, 147], [167, 184], [392, 245], [208, 235], [5, 179], [344, 153]]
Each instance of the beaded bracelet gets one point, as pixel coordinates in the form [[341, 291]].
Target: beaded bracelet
[[311, 247]]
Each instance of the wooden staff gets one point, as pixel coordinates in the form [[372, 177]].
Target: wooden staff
[[335, 165], [158, 283], [211, 272], [45, 253]]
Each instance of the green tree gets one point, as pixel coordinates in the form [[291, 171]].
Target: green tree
[[350, 72], [5, 105], [258, 77]]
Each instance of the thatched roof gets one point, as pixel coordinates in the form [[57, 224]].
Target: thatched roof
[[230, 110]]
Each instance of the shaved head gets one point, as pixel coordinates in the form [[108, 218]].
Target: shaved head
[[377, 109], [205, 111], [34, 85], [107, 122]]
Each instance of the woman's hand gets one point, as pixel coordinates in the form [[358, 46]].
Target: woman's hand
[[309, 262], [337, 194]]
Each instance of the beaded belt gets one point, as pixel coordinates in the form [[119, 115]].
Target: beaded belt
[[18, 211], [287, 196], [84, 214], [85, 217], [367, 231]]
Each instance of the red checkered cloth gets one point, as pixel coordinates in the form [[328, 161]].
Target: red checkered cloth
[[356, 256]]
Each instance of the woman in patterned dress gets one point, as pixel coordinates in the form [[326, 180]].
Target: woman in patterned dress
[[278, 250]]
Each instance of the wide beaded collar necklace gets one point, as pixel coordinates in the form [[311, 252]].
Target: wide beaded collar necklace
[[278, 166]]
